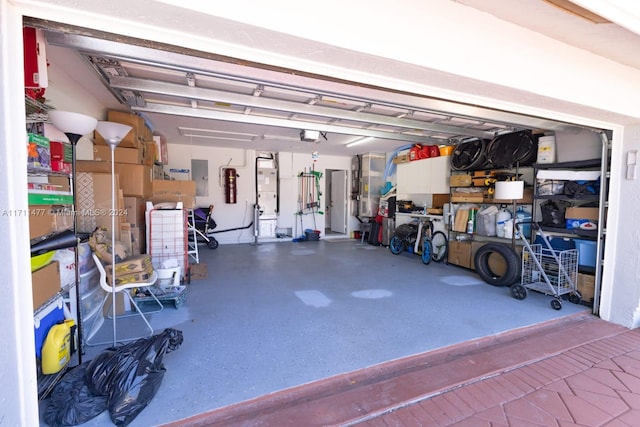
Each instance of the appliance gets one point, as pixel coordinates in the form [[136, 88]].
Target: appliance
[[309, 135], [372, 166]]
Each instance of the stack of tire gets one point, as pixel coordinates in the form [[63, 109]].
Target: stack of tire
[[504, 151]]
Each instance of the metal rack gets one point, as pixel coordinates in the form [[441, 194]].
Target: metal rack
[[549, 271]]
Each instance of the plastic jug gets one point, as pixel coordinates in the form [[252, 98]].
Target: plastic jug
[[502, 216], [414, 152], [56, 351], [508, 228], [525, 229]]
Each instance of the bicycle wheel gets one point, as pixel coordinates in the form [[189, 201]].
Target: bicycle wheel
[[439, 246], [395, 245], [426, 251]]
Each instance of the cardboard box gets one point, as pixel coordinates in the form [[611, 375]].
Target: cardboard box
[[590, 214], [38, 153], [93, 166], [60, 166], [45, 283], [134, 207], [401, 158], [125, 237], [460, 180], [439, 200], [132, 156], [61, 182], [61, 151], [165, 191], [586, 286], [459, 253], [133, 138], [138, 241], [40, 221], [93, 202], [135, 180], [150, 153], [133, 269], [47, 219]]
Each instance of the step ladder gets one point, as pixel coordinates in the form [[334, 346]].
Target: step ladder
[[192, 249]]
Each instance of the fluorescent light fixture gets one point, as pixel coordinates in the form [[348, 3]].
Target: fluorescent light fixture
[[216, 134], [359, 141]]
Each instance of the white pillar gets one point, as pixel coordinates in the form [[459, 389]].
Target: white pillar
[[18, 394]]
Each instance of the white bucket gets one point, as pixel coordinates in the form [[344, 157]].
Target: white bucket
[[546, 149], [168, 277]]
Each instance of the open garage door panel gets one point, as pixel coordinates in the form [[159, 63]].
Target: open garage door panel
[[191, 96]]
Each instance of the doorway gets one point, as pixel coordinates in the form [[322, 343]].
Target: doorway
[[336, 202]]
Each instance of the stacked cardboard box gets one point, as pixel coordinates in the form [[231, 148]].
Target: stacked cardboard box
[[165, 191]]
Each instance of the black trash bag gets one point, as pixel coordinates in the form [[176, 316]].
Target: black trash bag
[[72, 402], [100, 372], [577, 189], [553, 212], [130, 375]]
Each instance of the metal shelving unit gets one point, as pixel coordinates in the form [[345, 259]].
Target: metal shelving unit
[[602, 164]]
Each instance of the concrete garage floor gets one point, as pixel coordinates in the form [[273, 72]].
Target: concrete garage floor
[[278, 315]]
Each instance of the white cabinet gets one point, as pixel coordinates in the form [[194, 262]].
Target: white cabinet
[[426, 176]]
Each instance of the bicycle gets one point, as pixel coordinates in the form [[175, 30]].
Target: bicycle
[[404, 237], [435, 245]]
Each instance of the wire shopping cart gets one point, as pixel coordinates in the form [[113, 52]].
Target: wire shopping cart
[[547, 270]]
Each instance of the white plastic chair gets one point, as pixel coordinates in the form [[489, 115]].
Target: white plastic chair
[[125, 289]]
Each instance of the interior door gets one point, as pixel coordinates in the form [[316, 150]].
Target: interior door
[[339, 201]]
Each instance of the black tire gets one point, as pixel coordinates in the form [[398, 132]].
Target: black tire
[[511, 259], [212, 243], [575, 297], [439, 246], [556, 304], [518, 291], [510, 149], [395, 245], [427, 251], [469, 155]]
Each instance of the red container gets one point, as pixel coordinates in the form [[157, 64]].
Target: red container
[[434, 151], [424, 152], [414, 152]]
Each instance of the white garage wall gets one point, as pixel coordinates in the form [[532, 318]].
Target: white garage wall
[[241, 213]]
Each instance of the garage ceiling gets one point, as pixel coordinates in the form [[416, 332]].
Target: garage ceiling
[[191, 98]]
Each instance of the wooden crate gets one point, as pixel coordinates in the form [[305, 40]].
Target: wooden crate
[[461, 180], [467, 197], [460, 253]]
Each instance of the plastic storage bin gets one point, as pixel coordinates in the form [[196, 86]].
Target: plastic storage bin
[[586, 252]]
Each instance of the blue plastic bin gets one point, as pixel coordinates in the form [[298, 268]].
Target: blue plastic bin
[[586, 252]]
